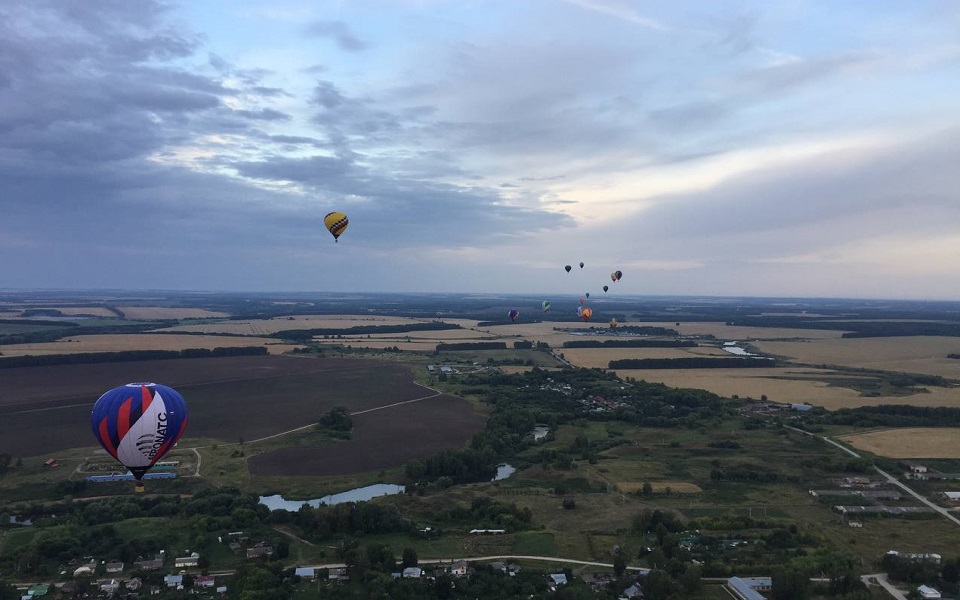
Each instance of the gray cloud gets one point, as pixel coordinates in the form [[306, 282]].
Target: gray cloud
[[337, 31]]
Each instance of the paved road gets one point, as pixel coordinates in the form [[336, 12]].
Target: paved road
[[881, 578], [556, 559]]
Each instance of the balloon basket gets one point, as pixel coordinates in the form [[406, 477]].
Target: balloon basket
[[139, 488]]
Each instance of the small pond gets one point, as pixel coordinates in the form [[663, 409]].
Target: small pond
[[363, 494], [504, 471]]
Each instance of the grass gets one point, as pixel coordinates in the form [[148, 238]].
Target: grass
[[533, 543]]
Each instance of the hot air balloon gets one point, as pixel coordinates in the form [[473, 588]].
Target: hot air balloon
[[606, 287], [587, 294], [513, 314], [616, 275], [585, 313], [613, 323], [545, 305], [582, 300], [581, 265], [138, 423], [337, 223], [567, 268]]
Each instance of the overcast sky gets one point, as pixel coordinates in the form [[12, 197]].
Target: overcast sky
[[795, 148]]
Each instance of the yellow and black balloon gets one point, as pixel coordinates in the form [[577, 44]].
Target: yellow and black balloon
[[336, 223]]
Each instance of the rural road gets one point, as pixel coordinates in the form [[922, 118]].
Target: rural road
[[889, 477], [881, 578], [557, 559]]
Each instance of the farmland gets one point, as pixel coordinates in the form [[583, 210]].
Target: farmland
[[228, 398], [908, 442], [140, 341]]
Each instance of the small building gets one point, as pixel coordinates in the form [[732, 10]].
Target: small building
[[305, 572], [459, 568], [204, 581], [749, 588], [260, 550], [338, 574], [187, 561], [928, 593], [221, 589], [952, 496], [52, 463], [133, 584], [558, 579], [150, 565], [109, 586], [487, 531], [114, 567], [634, 591], [83, 571], [412, 573], [36, 591], [173, 581], [916, 467], [801, 407]]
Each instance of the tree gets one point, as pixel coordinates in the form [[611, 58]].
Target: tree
[[690, 580], [647, 488], [569, 503], [789, 584], [409, 557], [619, 565]]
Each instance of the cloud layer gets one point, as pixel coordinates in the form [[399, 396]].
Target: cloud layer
[[712, 149]]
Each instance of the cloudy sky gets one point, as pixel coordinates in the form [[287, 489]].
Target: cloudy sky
[[794, 148]]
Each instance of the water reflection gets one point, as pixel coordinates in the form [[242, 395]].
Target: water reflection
[[363, 494]]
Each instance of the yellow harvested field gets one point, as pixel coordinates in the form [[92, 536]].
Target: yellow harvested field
[[722, 331], [601, 357], [679, 487], [913, 354], [270, 326], [146, 313], [754, 383], [120, 342], [909, 442]]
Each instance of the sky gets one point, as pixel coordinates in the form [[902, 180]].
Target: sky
[[743, 148]]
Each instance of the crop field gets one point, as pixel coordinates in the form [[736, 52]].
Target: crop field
[[909, 354], [381, 439], [47, 409], [909, 442], [788, 384], [149, 313], [725, 332], [271, 326], [140, 341]]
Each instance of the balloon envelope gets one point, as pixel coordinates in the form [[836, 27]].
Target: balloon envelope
[[613, 323], [617, 275], [606, 287], [513, 314], [587, 294], [582, 299], [581, 265], [585, 313], [336, 223], [545, 305], [138, 423], [567, 268]]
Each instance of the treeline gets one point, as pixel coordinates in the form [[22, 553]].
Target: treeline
[[630, 344], [10, 362], [348, 518], [691, 363], [307, 334], [38, 323], [55, 331], [648, 330], [855, 329], [460, 466], [894, 415], [445, 347], [952, 355]]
